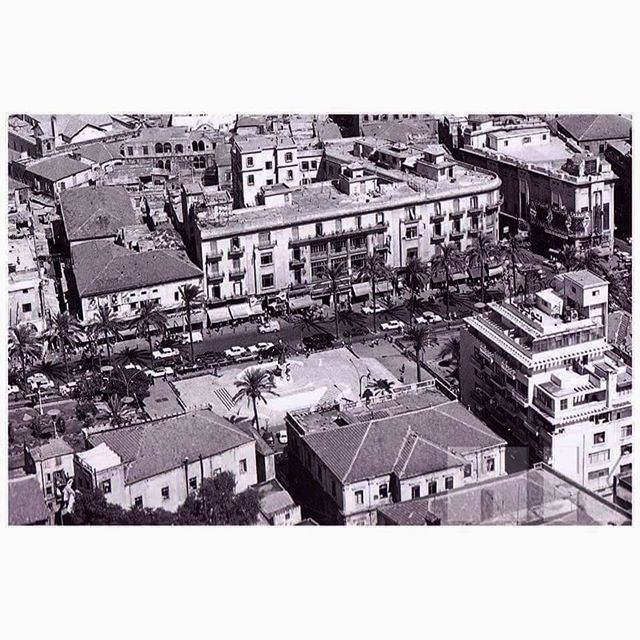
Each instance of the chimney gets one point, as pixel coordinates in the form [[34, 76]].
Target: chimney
[[54, 128]]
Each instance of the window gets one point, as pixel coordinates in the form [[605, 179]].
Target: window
[[176, 296], [319, 228], [289, 175], [264, 238], [305, 166], [266, 259], [58, 461], [288, 157], [243, 466], [412, 232], [26, 307], [267, 280], [448, 482], [415, 491], [358, 222], [526, 139], [106, 486], [564, 404], [165, 493], [467, 470], [599, 456], [359, 497], [383, 490], [600, 473], [49, 491], [130, 150], [333, 488], [314, 164], [251, 180], [490, 464], [625, 449], [268, 164], [625, 431], [599, 438], [193, 483], [158, 147], [380, 217], [48, 476], [249, 161], [138, 502], [219, 470], [179, 148]]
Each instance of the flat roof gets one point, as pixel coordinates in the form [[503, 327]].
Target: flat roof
[[585, 278], [554, 153]]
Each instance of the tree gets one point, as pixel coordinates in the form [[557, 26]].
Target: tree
[[88, 388], [482, 250], [117, 411], [107, 325], [24, 343], [127, 382], [372, 268], [134, 356], [568, 257], [381, 386], [447, 260], [62, 334], [512, 247], [334, 274], [306, 319], [451, 348], [416, 277], [420, 337], [191, 298], [590, 259], [252, 385], [151, 316]]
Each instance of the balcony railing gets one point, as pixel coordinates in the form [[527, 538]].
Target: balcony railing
[[436, 217], [437, 238], [296, 263], [217, 276], [216, 254], [267, 245], [456, 233], [236, 251], [346, 233], [237, 273]]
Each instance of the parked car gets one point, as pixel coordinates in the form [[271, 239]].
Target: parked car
[[282, 436], [13, 389], [189, 367], [367, 309], [40, 381], [353, 332], [270, 326], [260, 347], [318, 341], [160, 372], [165, 353], [183, 338], [392, 325], [235, 352]]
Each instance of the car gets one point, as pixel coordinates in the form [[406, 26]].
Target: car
[[260, 347], [39, 381], [13, 389], [159, 373], [392, 325], [354, 332], [106, 368], [368, 308], [132, 367], [282, 436], [189, 367], [183, 338], [270, 326], [235, 352], [318, 341], [165, 353]]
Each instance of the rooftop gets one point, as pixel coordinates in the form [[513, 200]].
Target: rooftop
[[101, 267], [100, 458], [553, 153], [57, 168], [274, 499], [585, 278], [155, 447], [100, 152], [26, 502], [52, 449], [585, 127], [258, 143], [533, 497], [95, 212]]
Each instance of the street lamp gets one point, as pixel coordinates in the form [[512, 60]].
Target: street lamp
[[361, 377]]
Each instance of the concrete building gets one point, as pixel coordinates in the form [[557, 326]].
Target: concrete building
[[355, 457], [277, 508], [353, 125], [543, 369], [52, 465], [562, 194], [287, 243], [538, 496], [618, 154], [26, 506], [26, 285], [157, 464], [51, 176]]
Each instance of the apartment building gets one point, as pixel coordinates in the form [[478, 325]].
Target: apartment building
[[619, 154], [542, 368], [52, 465], [287, 243], [563, 194], [157, 464], [26, 285], [358, 456]]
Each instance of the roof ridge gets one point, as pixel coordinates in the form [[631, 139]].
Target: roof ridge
[[404, 440], [466, 424], [355, 455], [595, 117], [449, 452], [104, 268], [410, 453]]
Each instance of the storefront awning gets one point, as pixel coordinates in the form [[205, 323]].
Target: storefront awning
[[474, 273], [360, 289], [301, 302], [179, 320], [218, 315], [240, 311], [383, 286], [437, 278], [496, 271], [458, 277]]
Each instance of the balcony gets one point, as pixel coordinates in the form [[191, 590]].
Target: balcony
[[474, 231], [296, 263], [475, 211], [455, 234], [436, 217], [237, 273], [215, 254], [454, 215], [236, 252], [346, 233], [215, 276], [437, 238], [267, 245]]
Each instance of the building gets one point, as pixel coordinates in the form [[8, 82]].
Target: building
[[538, 496], [277, 508], [26, 504], [26, 285], [52, 465], [594, 131], [560, 193], [542, 368], [355, 457], [287, 243], [158, 464], [618, 154], [51, 176], [106, 273], [352, 125], [95, 213], [102, 155]]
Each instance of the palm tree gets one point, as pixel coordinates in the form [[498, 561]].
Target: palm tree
[[372, 268], [512, 248], [118, 412], [24, 343], [416, 277], [381, 386], [482, 250], [191, 298], [151, 316], [448, 260], [590, 259], [336, 272], [306, 319], [420, 337], [568, 257], [106, 325], [253, 384], [63, 333], [451, 348]]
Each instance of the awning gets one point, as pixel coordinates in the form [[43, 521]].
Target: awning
[[383, 286], [179, 320], [458, 277], [218, 315], [474, 273], [496, 271], [301, 302], [437, 278], [361, 289], [240, 311]]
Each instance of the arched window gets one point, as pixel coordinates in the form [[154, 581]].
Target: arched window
[[179, 148], [201, 146], [194, 145], [158, 147], [160, 164], [121, 149], [167, 165], [167, 147]]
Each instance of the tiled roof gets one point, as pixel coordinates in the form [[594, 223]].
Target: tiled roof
[[328, 130], [100, 152], [57, 168], [155, 447], [51, 449], [95, 212], [585, 127], [26, 502], [410, 443], [101, 267]]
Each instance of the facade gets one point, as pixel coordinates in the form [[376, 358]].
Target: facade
[[618, 154], [51, 176], [356, 457], [594, 131], [26, 286], [52, 465], [544, 369], [157, 464], [287, 244], [562, 194]]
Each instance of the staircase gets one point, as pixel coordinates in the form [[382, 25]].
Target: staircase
[[225, 397]]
